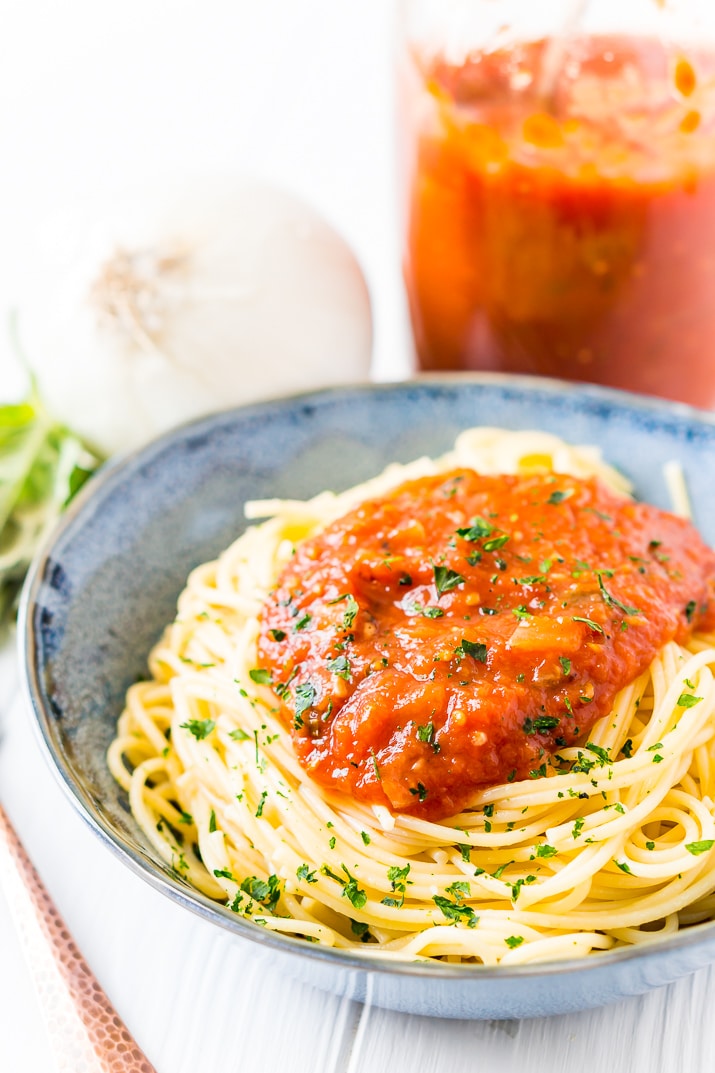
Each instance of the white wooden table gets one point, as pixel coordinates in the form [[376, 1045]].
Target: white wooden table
[[93, 96]]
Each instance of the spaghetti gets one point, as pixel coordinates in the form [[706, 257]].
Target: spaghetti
[[613, 846]]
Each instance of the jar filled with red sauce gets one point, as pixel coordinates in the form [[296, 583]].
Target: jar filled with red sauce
[[559, 178]]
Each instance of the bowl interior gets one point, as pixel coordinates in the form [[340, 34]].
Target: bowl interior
[[100, 595]]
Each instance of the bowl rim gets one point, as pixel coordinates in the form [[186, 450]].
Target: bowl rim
[[120, 466]]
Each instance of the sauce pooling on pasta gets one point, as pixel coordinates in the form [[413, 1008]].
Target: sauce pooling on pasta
[[456, 632]]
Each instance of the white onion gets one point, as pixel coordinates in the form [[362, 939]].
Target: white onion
[[172, 304]]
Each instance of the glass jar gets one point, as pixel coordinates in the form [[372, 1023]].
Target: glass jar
[[558, 167]]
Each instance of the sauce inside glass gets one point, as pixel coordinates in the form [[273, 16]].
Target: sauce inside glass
[[566, 230]]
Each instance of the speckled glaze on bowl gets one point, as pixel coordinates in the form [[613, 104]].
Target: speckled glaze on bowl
[[99, 595]]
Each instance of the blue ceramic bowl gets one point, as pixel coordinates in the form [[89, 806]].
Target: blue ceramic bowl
[[100, 594]]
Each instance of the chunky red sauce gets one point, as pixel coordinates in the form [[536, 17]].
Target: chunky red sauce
[[573, 236], [452, 634]]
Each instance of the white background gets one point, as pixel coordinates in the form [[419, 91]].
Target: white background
[[96, 95]]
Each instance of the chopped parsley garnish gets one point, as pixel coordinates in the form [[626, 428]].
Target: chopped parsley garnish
[[565, 664], [459, 889], [515, 940], [471, 648], [431, 612], [398, 880], [303, 621], [425, 733], [578, 826], [365, 837], [212, 820], [445, 579], [261, 803], [589, 622], [351, 611], [260, 676], [687, 700], [200, 728], [303, 872], [476, 531], [419, 791], [355, 895], [540, 725], [546, 851], [690, 610], [455, 912], [611, 601], [696, 848], [360, 928], [598, 751], [267, 893], [496, 542], [531, 579], [465, 851], [627, 748], [623, 867], [340, 666], [239, 735], [305, 695], [278, 635], [522, 612]]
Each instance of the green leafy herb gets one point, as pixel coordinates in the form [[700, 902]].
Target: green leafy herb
[[212, 820], [546, 851], [359, 928], [623, 867], [42, 466], [445, 579], [687, 700], [340, 666], [355, 895], [452, 910], [239, 735], [472, 648], [690, 610], [589, 622], [476, 531], [398, 880], [565, 664], [611, 601], [260, 676], [559, 497], [515, 940], [540, 725], [305, 695], [496, 542], [696, 848], [419, 791], [278, 635], [200, 728], [303, 872]]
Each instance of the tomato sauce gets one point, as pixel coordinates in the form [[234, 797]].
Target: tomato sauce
[[572, 236], [455, 632]]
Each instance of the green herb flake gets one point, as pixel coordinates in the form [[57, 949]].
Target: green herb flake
[[545, 851], [496, 542], [200, 728], [303, 872], [696, 848], [478, 530], [365, 837], [623, 867], [515, 940], [687, 700], [560, 496], [565, 664], [305, 695], [239, 735], [278, 635], [340, 666], [455, 912], [475, 649], [260, 676], [212, 821], [588, 622], [690, 610], [611, 600], [445, 579], [540, 725]]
